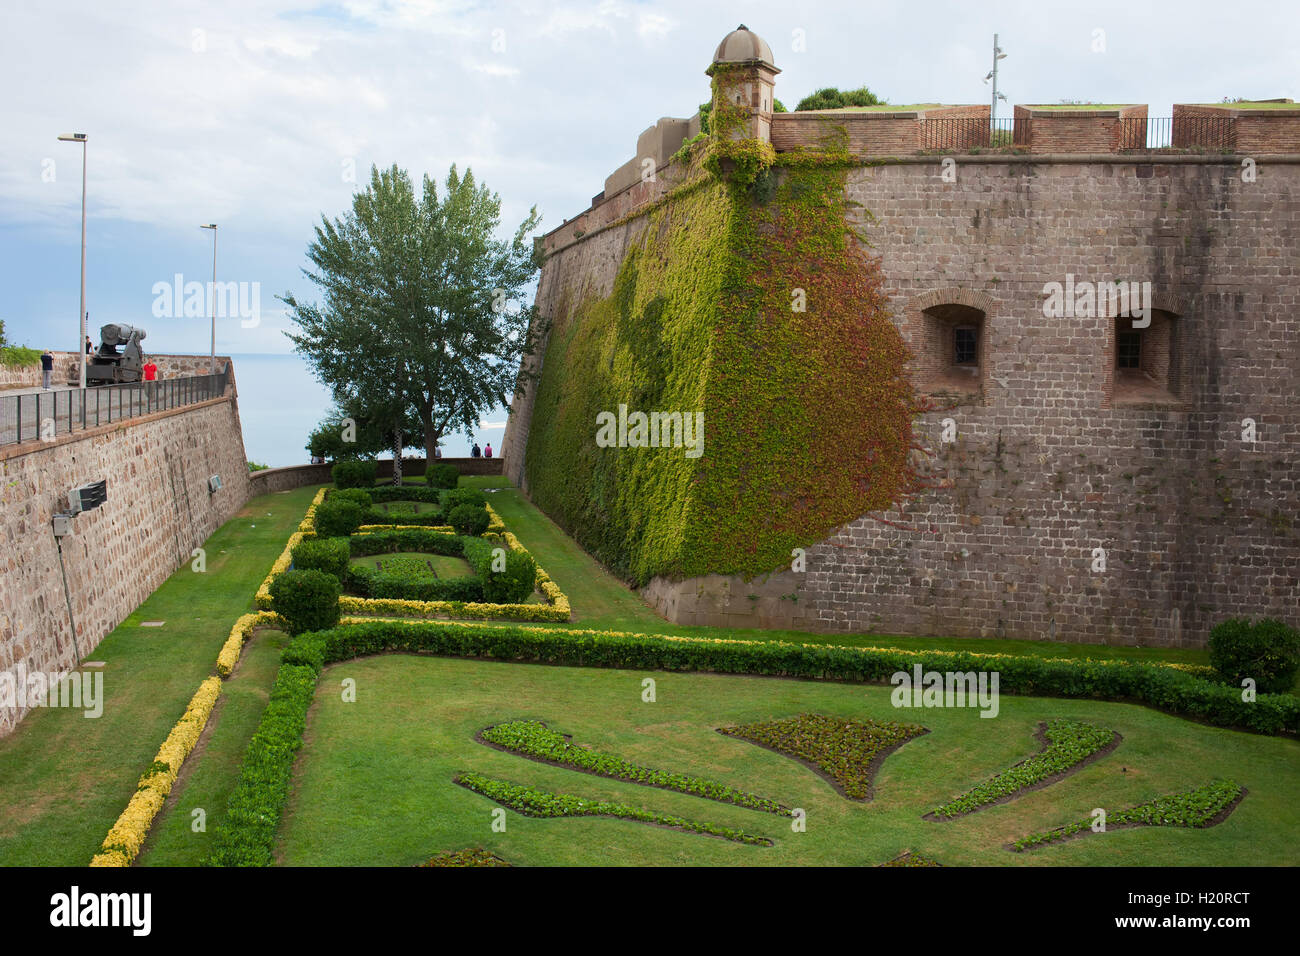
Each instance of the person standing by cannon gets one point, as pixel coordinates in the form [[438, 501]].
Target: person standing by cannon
[[47, 368]]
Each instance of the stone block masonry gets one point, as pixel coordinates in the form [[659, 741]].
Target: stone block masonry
[[1046, 466], [158, 510], [1050, 461]]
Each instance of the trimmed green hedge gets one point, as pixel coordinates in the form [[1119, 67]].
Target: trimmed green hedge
[[469, 519], [430, 519], [359, 496], [246, 835], [1267, 652], [406, 539], [1164, 688], [354, 474], [442, 476], [307, 600], [383, 493], [322, 554], [454, 497], [510, 585], [338, 518]]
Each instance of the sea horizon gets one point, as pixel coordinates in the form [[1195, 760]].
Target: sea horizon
[[281, 401]]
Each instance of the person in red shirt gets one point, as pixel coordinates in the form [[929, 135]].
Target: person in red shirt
[[150, 371]]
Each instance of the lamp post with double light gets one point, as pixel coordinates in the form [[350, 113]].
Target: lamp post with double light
[[81, 341]]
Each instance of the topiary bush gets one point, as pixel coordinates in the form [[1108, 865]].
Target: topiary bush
[[354, 474], [322, 554], [463, 496], [514, 583], [307, 600], [470, 520], [1267, 651], [338, 519], [442, 476]]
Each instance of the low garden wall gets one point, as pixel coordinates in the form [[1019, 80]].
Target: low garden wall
[[271, 480]]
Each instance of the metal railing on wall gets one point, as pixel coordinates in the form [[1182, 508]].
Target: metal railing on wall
[[47, 415], [1178, 132], [973, 132]]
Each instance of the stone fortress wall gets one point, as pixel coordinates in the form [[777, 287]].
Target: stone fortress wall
[[159, 509], [1059, 464]]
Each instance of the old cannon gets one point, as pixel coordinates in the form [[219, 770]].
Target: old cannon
[[107, 364]]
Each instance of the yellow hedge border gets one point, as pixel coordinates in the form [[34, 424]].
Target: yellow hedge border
[[239, 635], [305, 527], [127, 835]]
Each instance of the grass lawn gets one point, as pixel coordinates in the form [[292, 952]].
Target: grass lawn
[[444, 565], [64, 779], [602, 601], [373, 784], [209, 775]]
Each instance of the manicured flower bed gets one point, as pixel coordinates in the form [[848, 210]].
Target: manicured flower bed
[[532, 739], [1202, 807], [846, 752], [532, 802], [474, 856], [411, 579], [911, 859], [1069, 744], [450, 600]]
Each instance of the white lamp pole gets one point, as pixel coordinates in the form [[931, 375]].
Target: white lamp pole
[[81, 342], [212, 364]]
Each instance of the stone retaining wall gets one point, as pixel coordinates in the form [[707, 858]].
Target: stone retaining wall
[[159, 509]]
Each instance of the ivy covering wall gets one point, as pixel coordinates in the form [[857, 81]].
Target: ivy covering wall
[[807, 413]]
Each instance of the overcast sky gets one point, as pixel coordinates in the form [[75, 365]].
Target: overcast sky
[[253, 114]]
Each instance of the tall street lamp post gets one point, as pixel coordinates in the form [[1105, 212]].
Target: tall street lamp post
[[81, 341], [212, 365]]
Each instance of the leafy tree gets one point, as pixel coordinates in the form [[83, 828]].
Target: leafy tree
[[829, 98], [417, 327]]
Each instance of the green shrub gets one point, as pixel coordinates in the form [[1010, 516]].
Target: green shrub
[[512, 585], [463, 496], [442, 476], [1268, 652], [354, 474], [322, 554], [338, 519], [381, 494], [429, 519], [406, 539], [16, 356], [246, 836], [831, 98], [469, 519], [307, 600], [360, 496]]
